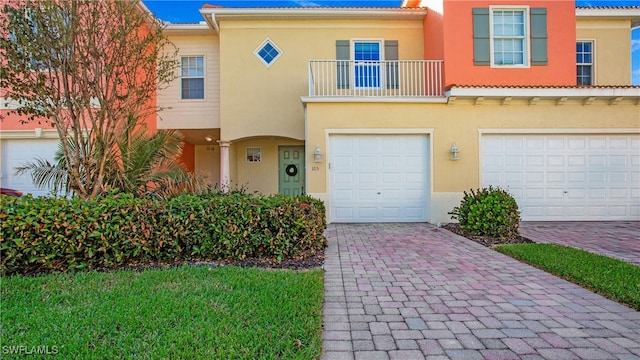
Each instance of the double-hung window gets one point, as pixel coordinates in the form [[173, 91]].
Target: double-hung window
[[192, 77], [584, 62], [367, 56], [509, 37]]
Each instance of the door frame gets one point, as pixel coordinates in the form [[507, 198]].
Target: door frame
[[301, 170]]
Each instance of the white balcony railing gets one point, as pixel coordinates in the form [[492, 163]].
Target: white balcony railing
[[399, 78]]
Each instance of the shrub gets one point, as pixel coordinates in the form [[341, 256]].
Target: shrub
[[50, 234], [488, 212]]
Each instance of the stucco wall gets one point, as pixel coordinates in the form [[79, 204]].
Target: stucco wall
[[458, 40], [265, 101], [612, 49], [461, 123], [263, 176], [207, 162]]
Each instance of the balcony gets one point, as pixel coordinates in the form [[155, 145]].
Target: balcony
[[390, 79]]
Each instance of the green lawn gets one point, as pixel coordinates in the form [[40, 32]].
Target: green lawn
[[181, 313], [612, 278]]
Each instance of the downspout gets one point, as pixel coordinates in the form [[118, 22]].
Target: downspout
[[211, 21]]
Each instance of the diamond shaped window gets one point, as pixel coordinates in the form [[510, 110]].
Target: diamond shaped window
[[268, 52]]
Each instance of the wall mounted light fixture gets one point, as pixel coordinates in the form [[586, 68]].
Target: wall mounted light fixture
[[317, 155], [454, 152], [208, 138]]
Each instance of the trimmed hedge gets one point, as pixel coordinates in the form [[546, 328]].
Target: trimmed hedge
[[59, 234]]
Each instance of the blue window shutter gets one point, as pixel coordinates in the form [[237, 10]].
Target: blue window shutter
[[539, 36], [391, 54], [343, 55], [481, 39]]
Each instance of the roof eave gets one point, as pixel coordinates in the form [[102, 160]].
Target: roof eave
[[632, 92], [314, 13], [614, 13], [188, 29]]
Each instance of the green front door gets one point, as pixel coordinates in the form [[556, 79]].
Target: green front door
[[291, 170]]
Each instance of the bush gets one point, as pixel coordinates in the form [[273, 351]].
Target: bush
[[50, 234], [488, 212]]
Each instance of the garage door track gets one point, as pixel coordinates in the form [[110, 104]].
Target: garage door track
[[414, 291]]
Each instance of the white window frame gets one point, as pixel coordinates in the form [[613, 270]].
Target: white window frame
[[255, 150], [380, 41], [256, 52], [593, 60], [204, 77], [526, 38]]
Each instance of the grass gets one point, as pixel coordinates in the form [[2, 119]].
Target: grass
[[612, 278], [180, 313]]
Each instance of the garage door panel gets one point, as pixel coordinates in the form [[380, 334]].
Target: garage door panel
[[618, 178], [577, 144], [555, 161], [586, 177], [366, 162], [516, 161], [340, 212], [514, 144], [576, 160], [368, 214], [555, 177], [17, 152], [597, 160], [343, 178], [597, 143], [415, 212], [558, 210], [555, 193], [597, 178], [535, 161], [391, 162], [535, 193], [493, 160], [595, 194], [533, 211], [619, 193], [617, 211], [390, 178], [581, 193], [367, 178]]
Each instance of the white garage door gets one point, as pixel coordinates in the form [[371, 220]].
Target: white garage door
[[16, 152], [379, 178], [566, 177]]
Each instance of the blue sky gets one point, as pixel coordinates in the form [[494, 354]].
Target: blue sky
[[186, 11]]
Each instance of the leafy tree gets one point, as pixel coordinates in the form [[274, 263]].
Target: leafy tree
[[142, 163], [86, 67]]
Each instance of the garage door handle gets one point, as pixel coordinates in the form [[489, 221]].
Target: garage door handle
[[379, 193]]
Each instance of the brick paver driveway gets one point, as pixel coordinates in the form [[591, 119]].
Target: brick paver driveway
[[618, 239], [413, 291]]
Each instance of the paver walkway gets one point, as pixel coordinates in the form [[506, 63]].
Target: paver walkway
[[618, 239], [414, 291]]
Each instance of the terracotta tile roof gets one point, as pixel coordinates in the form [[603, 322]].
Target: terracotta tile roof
[[541, 87], [294, 8], [630, 7]]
